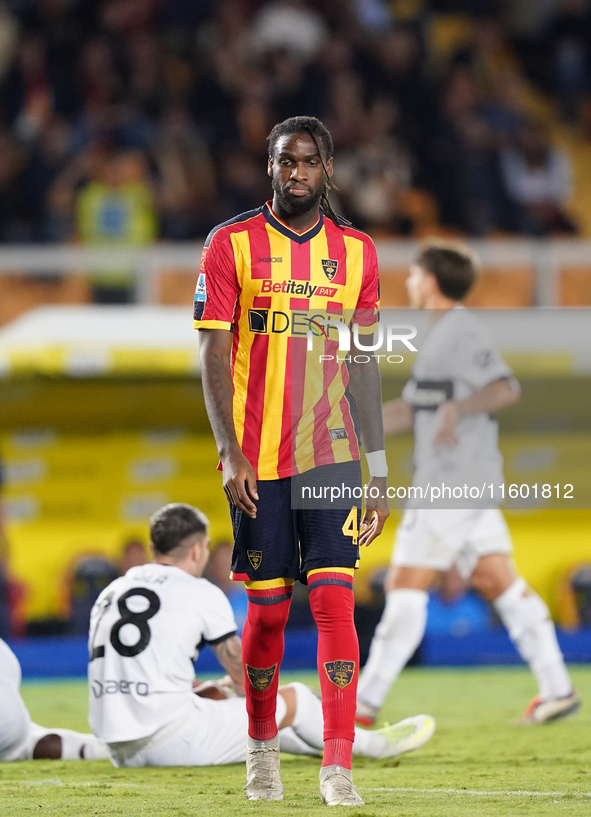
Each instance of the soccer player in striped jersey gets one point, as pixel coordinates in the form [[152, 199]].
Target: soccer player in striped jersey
[[280, 414]]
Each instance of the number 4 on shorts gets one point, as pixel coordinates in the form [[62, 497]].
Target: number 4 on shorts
[[350, 527]]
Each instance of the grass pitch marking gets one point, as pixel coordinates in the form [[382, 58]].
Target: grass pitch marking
[[518, 793], [104, 784]]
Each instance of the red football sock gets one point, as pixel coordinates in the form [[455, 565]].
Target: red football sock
[[262, 651], [332, 605]]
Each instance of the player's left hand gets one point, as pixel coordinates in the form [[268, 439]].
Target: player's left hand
[[446, 419], [376, 511]]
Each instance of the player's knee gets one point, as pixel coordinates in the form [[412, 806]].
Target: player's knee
[[405, 614], [49, 747], [391, 577], [331, 606], [268, 619], [485, 586], [489, 585], [401, 577]]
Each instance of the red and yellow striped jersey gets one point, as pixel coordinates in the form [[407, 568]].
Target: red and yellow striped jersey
[[262, 280]]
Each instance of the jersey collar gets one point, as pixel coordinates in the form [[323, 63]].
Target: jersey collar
[[299, 238]]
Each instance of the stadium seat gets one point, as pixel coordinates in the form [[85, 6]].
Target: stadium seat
[[176, 285], [421, 209], [504, 288], [574, 286], [497, 288], [19, 293], [393, 287], [574, 596]]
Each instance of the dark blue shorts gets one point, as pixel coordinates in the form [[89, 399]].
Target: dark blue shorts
[[290, 537]]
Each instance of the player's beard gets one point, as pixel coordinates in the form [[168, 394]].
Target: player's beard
[[294, 206]]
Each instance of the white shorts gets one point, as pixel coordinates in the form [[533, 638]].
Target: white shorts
[[214, 734], [18, 734], [439, 538]]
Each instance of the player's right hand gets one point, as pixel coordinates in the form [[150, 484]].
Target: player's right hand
[[240, 482], [446, 420]]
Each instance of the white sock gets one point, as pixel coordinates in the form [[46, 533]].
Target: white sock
[[272, 743], [531, 629], [308, 727], [397, 636], [75, 745]]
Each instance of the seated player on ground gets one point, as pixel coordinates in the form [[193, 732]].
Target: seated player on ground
[[146, 629], [21, 739]]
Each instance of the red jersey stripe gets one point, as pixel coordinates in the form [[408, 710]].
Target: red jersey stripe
[[300, 261], [335, 239], [299, 303], [284, 462], [297, 375], [321, 439], [349, 426], [260, 252], [255, 400]]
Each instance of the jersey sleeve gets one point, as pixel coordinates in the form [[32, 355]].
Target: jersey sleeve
[[218, 617], [217, 286], [408, 392], [368, 303], [480, 363]]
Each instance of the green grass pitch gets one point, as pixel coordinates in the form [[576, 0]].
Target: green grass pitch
[[478, 763]]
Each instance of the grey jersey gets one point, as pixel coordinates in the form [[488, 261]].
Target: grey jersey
[[456, 359]]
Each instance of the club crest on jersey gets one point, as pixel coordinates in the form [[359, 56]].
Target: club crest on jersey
[[255, 557], [340, 672], [261, 678], [330, 268]]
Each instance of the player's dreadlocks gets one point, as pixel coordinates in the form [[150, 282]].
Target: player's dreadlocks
[[319, 134]]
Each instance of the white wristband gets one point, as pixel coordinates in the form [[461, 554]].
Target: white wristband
[[376, 462]]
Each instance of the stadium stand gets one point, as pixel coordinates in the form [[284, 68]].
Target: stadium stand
[[121, 122]]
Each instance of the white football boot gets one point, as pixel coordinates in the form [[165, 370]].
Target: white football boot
[[546, 710], [263, 780], [336, 787], [406, 735]]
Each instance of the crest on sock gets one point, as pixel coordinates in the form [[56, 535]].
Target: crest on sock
[[260, 678], [340, 672]]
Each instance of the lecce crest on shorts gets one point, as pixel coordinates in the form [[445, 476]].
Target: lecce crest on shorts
[[260, 678], [340, 672], [330, 268], [255, 557]]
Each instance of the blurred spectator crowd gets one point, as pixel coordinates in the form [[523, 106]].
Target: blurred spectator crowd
[[127, 121]]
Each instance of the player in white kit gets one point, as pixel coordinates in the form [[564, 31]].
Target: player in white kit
[[458, 379], [147, 628], [21, 739]]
